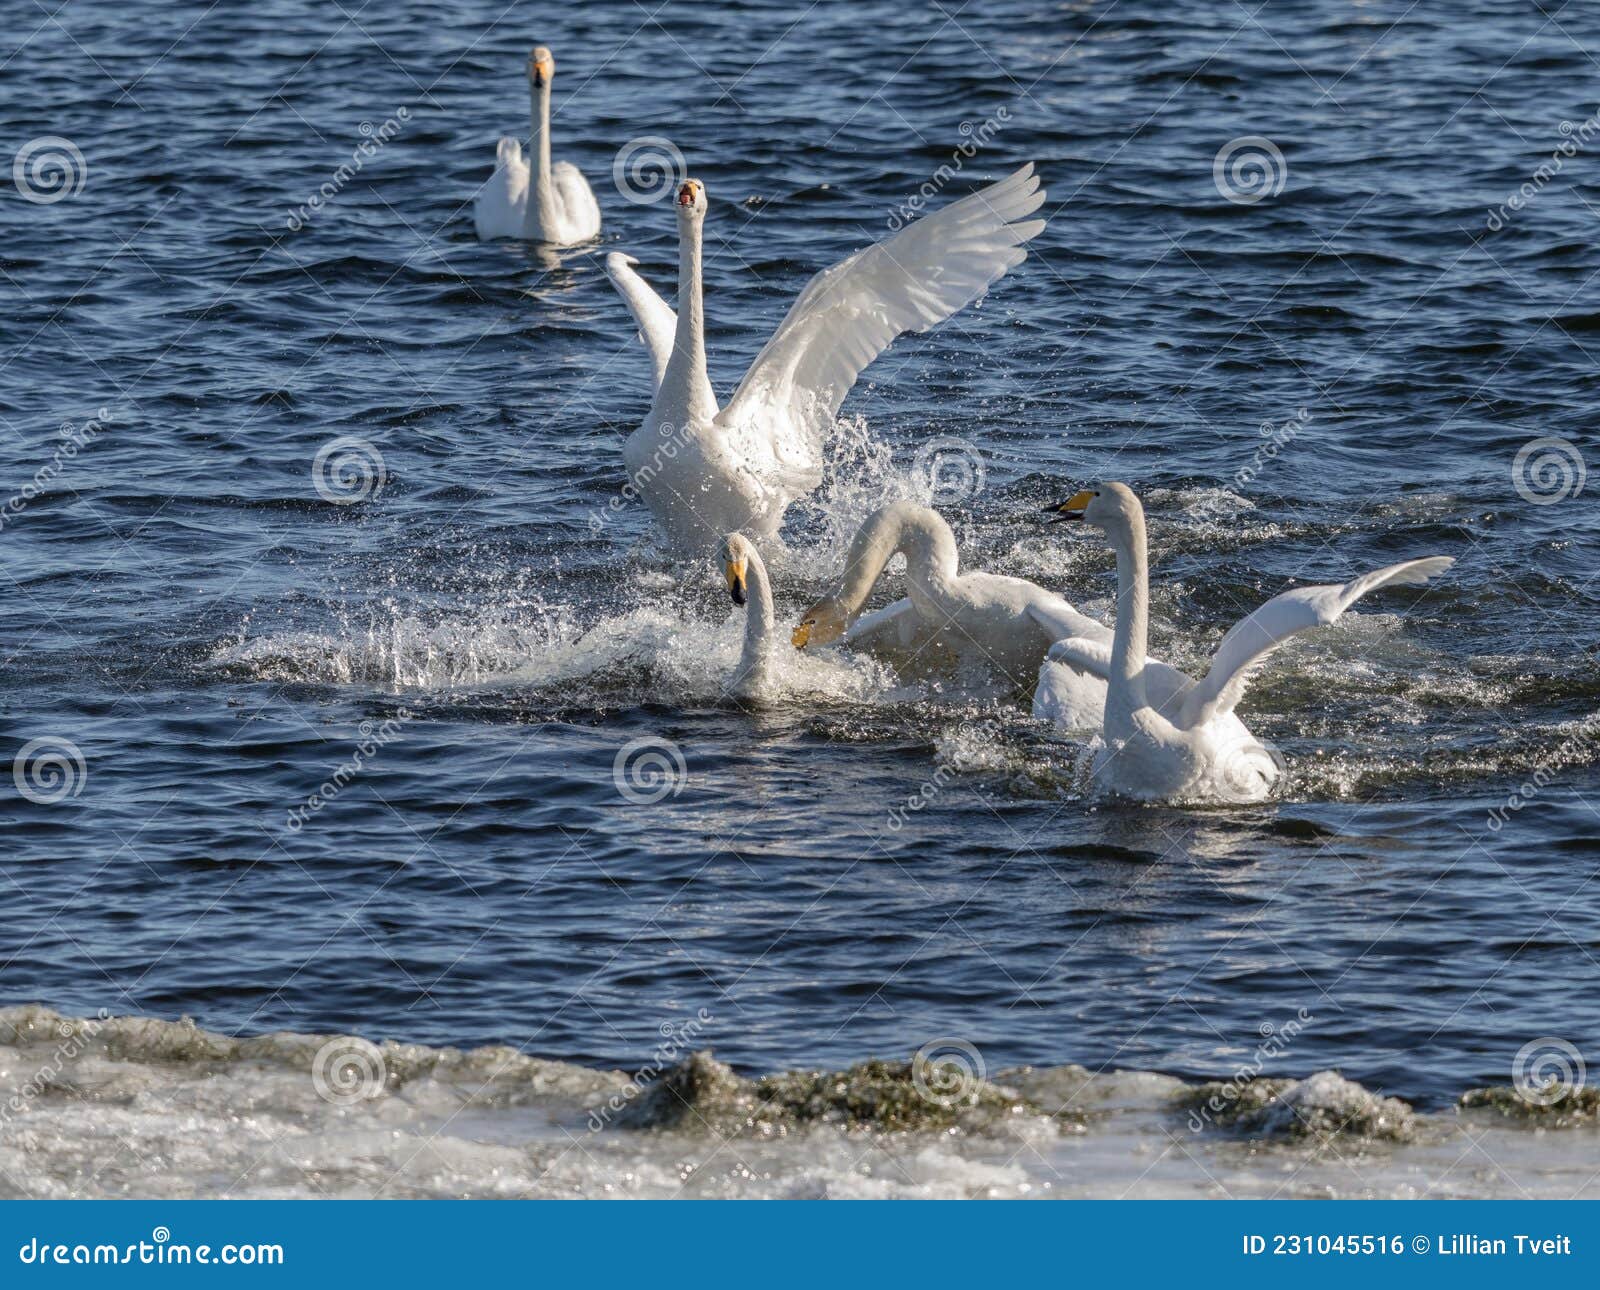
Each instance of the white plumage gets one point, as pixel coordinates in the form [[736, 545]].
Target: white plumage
[[1165, 735], [536, 199], [706, 472]]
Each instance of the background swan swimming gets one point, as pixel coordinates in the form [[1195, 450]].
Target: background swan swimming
[[554, 203], [706, 472], [1167, 736]]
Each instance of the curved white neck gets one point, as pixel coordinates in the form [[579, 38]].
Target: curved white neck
[[760, 627], [1126, 693], [685, 390], [539, 217], [901, 527]]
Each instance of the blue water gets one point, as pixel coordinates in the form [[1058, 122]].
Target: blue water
[[210, 634]]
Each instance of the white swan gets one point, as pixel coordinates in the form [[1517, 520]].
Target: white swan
[[1166, 735], [562, 210], [979, 621], [705, 472], [748, 585]]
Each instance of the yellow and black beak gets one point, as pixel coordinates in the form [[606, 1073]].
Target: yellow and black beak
[[734, 570], [802, 633], [1071, 509]]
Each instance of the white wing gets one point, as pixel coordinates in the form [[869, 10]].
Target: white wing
[[1076, 673], [502, 200], [580, 213], [1060, 621], [1252, 638], [657, 322], [849, 314], [894, 627], [1071, 692]]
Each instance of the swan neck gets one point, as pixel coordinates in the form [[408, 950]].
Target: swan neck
[[541, 212], [1131, 640], [760, 626], [925, 539], [685, 382]]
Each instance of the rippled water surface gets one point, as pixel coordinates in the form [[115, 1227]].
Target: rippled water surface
[[1336, 376]]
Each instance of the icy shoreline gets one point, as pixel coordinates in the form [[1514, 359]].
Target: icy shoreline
[[133, 1106]]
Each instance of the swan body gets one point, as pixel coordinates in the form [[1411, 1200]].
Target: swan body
[[987, 621], [535, 199], [1167, 736], [706, 470], [749, 585]]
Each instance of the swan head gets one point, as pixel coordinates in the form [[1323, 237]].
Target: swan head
[[691, 200], [736, 552], [541, 66], [822, 624], [1112, 508]]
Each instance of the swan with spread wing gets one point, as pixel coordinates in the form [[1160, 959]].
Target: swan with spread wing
[[706, 471], [1166, 735], [536, 199]]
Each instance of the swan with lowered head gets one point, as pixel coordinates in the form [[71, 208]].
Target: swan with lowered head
[[706, 471], [749, 586], [987, 621], [552, 203], [1164, 741]]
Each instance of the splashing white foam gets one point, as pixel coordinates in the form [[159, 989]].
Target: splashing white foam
[[660, 650]]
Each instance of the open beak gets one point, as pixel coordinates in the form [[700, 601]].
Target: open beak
[[734, 570], [802, 633], [1072, 508]]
